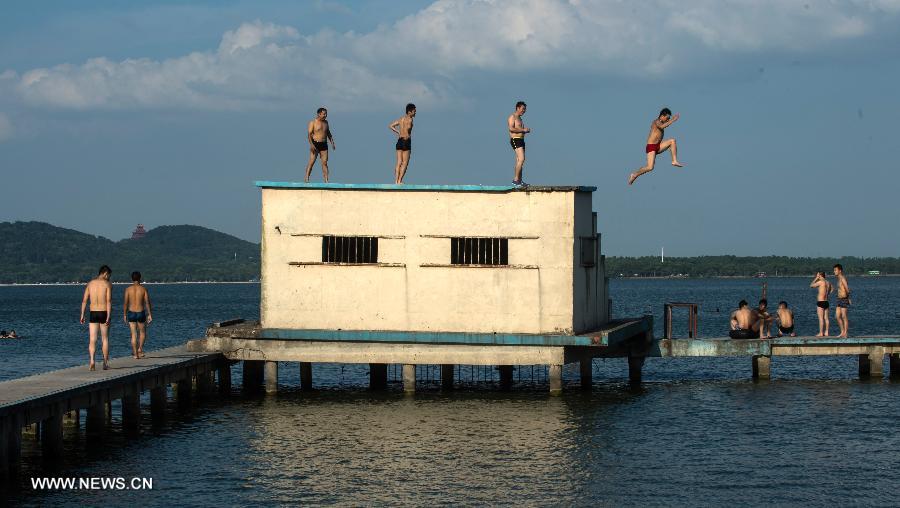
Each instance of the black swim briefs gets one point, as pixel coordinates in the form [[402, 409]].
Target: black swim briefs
[[98, 316], [517, 143], [321, 146], [843, 303], [823, 304], [786, 329], [743, 334], [404, 144]]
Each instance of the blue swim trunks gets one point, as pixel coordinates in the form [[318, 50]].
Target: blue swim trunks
[[137, 317]]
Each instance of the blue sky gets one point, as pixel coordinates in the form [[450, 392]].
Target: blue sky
[[164, 112]]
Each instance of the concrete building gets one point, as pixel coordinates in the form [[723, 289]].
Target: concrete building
[[431, 258]]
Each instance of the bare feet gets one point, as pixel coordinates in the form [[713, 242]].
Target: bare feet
[[819, 335], [677, 164], [105, 366], [140, 354], [631, 178], [93, 367]]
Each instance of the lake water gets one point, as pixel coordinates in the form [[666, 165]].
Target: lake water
[[698, 432]]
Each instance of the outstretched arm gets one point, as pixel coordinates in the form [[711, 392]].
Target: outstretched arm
[[672, 119]]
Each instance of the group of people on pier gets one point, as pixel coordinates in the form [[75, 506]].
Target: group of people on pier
[[747, 323], [318, 134], [137, 312]]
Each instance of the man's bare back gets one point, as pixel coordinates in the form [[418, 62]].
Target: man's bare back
[[136, 298], [744, 318], [785, 318], [404, 126], [99, 293]]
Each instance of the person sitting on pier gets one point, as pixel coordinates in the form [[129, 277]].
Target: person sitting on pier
[[765, 319], [99, 292], [745, 323], [785, 320], [824, 288], [138, 314]]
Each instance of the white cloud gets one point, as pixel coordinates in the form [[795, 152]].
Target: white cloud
[[420, 57], [6, 128]]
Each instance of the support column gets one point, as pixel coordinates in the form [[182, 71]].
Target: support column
[[762, 366], [183, 394], [131, 408], [506, 376], [635, 367], [5, 429], [95, 420], [871, 364], [409, 378], [158, 397], [554, 374], [52, 435], [447, 376], [271, 376], [205, 383], [253, 376], [587, 371], [377, 376], [224, 373], [11, 436], [305, 376], [894, 365]]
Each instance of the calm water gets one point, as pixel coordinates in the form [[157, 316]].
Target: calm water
[[699, 431]]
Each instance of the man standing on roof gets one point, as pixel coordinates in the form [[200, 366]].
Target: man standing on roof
[[517, 132], [318, 133], [403, 127]]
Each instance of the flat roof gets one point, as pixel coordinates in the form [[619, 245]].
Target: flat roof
[[263, 184]]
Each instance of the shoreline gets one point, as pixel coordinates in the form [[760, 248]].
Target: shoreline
[[125, 283]]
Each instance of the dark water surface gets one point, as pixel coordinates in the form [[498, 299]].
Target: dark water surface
[[698, 432]]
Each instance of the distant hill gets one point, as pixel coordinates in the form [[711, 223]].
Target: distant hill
[[40, 252]]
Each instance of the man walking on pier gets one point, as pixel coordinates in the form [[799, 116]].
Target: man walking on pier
[[843, 300], [318, 133], [138, 313], [403, 127], [517, 132], [823, 288], [99, 292], [656, 145]]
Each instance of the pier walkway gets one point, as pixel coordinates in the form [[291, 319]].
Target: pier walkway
[[46, 398]]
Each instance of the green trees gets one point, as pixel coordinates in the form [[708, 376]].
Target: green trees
[[743, 266]]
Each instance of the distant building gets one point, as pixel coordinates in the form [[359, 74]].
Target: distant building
[[874, 272], [431, 258], [139, 232]]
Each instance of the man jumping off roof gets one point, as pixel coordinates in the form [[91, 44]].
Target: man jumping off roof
[[656, 145]]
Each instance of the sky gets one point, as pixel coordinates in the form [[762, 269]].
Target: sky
[[164, 112]]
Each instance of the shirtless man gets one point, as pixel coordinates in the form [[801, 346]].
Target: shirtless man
[[403, 127], [138, 313], [765, 319], [744, 323], [823, 289], [785, 320], [843, 300], [318, 133], [656, 145], [517, 132], [99, 292]]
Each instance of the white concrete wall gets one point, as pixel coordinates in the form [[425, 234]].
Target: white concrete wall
[[514, 299]]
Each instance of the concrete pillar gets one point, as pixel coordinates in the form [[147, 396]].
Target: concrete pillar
[[271, 376], [447, 376], [762, 367], [409, 378], [635, 368], [506, 376], [894, 365], [52, 435], [205, 383], [305, 376], [554, 373], [5, 459], [95, 420], [131, 408], [377, 376], [11, 437], [253, 375], [224, 373], [587, 373], [183, 394], [871, 363], [158, 397]]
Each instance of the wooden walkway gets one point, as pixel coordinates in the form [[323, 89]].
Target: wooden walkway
[[46, 398]]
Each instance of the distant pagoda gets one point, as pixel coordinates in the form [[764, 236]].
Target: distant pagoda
[[139, 232]]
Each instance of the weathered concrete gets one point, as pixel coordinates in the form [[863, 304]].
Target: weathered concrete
[[271, 376], [131, 407], [52, 434], [554, 375], [761, 366], [587, 372], [377, 376], [871, 362], [409, 378], [447, 376], [506, 376], [306, 379]]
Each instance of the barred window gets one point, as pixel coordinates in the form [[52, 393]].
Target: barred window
[[479, 251], [350, 249]]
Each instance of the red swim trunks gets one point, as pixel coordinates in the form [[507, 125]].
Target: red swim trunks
[[653, 148]]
